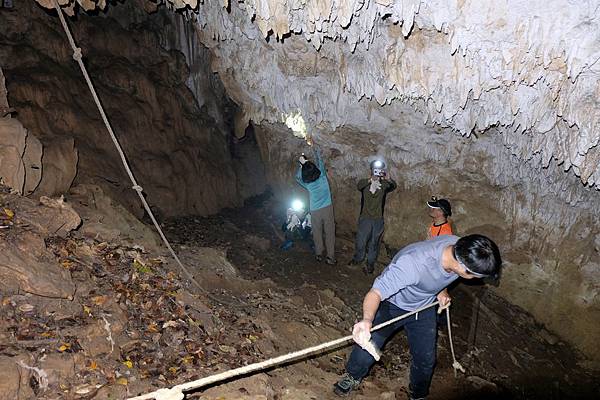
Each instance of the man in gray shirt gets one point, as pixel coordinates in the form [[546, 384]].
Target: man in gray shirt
[[417, 275]]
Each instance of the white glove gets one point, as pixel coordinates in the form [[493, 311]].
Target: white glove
[[295, 221], [361, 333], [302, 159], [375, 186]]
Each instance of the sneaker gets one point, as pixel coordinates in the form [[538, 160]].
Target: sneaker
[[369, 269], [345, 385], [319, 258], [331, 261]]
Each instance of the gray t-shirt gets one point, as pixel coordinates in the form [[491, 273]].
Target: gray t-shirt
[[415, 276]]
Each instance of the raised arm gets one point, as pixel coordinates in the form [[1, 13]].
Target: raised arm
[[299, 177], [319, 160]]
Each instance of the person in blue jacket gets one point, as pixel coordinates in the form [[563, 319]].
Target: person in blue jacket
[[313, 178]]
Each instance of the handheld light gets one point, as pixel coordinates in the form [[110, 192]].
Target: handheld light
[[297, 205]]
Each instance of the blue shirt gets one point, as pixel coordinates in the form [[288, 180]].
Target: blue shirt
[[415, 276], [318, 191]]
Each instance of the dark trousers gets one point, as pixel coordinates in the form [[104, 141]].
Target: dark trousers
[[369, 231], [422, 337]]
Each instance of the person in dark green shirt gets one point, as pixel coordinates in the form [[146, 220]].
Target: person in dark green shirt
[[370, 223]]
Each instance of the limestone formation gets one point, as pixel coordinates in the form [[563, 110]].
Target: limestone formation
[[527, 66]]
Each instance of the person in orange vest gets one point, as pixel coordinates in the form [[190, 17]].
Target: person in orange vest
[[439, 211]]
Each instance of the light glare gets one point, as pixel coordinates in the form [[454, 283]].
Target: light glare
[[297, 205]]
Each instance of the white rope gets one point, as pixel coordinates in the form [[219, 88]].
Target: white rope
[[176, 392], [77, 56], [455, 364]]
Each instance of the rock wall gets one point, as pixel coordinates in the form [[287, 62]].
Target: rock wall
[[20, 152], [179, 148]]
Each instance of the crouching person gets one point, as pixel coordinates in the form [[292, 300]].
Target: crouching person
[[418, 274], [297, 225]]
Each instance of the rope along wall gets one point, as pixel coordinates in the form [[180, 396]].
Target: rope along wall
[[135, 186]]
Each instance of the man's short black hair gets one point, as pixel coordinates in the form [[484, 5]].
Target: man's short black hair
[[479, 254], [310, 172]]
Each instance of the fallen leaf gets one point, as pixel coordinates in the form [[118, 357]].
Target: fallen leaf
[[227, 349], [122, 381], [93, 365], [141, 267], [84, 389], [67, 264], [153, 328], [171, 275], [26, 307], [87, 310], [64, 347], [9, 213], [187, 359], [173, 370], [99, 300], [170, 324], [128, 364]]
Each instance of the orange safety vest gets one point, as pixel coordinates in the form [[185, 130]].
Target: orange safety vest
[[443, 229]]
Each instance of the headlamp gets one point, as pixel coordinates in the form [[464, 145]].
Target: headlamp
[[297, 205]]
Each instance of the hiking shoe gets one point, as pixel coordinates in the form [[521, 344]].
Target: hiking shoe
[[369, 269], [319, 258], [331, 261], [354, 262], [345, 385]]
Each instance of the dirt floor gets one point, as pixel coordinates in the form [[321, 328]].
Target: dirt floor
[[507, 355], [112, 318]]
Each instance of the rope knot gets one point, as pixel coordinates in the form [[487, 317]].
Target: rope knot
[[77, 54], [137, 188]]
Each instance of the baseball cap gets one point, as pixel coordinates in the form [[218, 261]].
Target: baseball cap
[[442, 204]]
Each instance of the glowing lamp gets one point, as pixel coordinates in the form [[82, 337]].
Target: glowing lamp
[[297, 205]]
